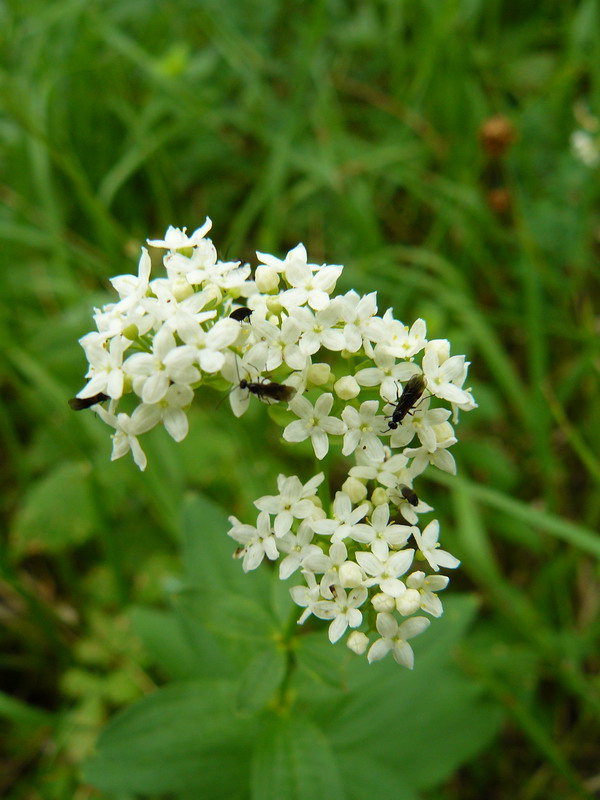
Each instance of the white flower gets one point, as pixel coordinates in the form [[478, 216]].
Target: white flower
[[281, 343], [364, 429], [400, 341], [428, 544], [170, 410], [176, 238], [343, 610], [387, 472], [328, 565], [344, 519], [358, 314], [441, 372], [386, 569], [422, 421], [314, 422], [106, 366], [407, 509], [387, 374], [206, 346], [291, 503], [380, 531], [306, 596], [257, 542], [318, 329], [308, 285], [127, 429], [426, 586], [152, 373], [134, 287], [394, 637], [298, 548]]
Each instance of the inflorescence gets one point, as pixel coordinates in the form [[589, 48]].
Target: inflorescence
[[343, 372]]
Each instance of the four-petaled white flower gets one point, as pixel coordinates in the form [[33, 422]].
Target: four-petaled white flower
[[380, 534], [127, 429], [343, 610], [386, 568], [428, 545], [314, 422], [306, 596], [257, 542], [394, 637], [291, 503], [427, 586], [176, 238], [364, 430], [152, 373], [344, 519]]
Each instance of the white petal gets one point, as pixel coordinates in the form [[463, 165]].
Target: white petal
[[338, 628], [296, 431], [320, 442], [176, 422]]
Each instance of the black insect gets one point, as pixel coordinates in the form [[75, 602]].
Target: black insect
[[268, 390], [240, 314], [413, 389], [79, 403], [409, 494]]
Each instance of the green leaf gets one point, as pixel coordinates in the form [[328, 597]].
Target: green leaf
[[174, 649], [433, 715], [22, 713], [230, 616], [321, 663], [359, 778], [58, 511], [260, 680], [208, 552], [185, 737], [293, 761]]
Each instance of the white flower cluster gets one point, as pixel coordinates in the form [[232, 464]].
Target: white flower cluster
[[349, 377]]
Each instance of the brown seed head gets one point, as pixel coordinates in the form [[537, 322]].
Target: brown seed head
[[496, 135]]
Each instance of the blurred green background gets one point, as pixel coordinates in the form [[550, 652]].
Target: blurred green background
[[425, 145]]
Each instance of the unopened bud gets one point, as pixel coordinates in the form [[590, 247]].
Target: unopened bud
[[267, 279], [379, 496], [409, 602], [318, 374], [355, 490], [181, 289], [383, 603], [346, 388], [351, 575], [358, 642], [131, 332]]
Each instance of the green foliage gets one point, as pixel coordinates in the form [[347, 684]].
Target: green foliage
[[301, 731], [354, 128]]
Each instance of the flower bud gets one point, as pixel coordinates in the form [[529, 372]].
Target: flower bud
[[379, 496], [383, 602], [409, 602], [357, 642], [351, 575], [131, 332], [346, 388], [181, 288], [355, 490], [318, 374], [213, 295], [274, 306], [267, 279]]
